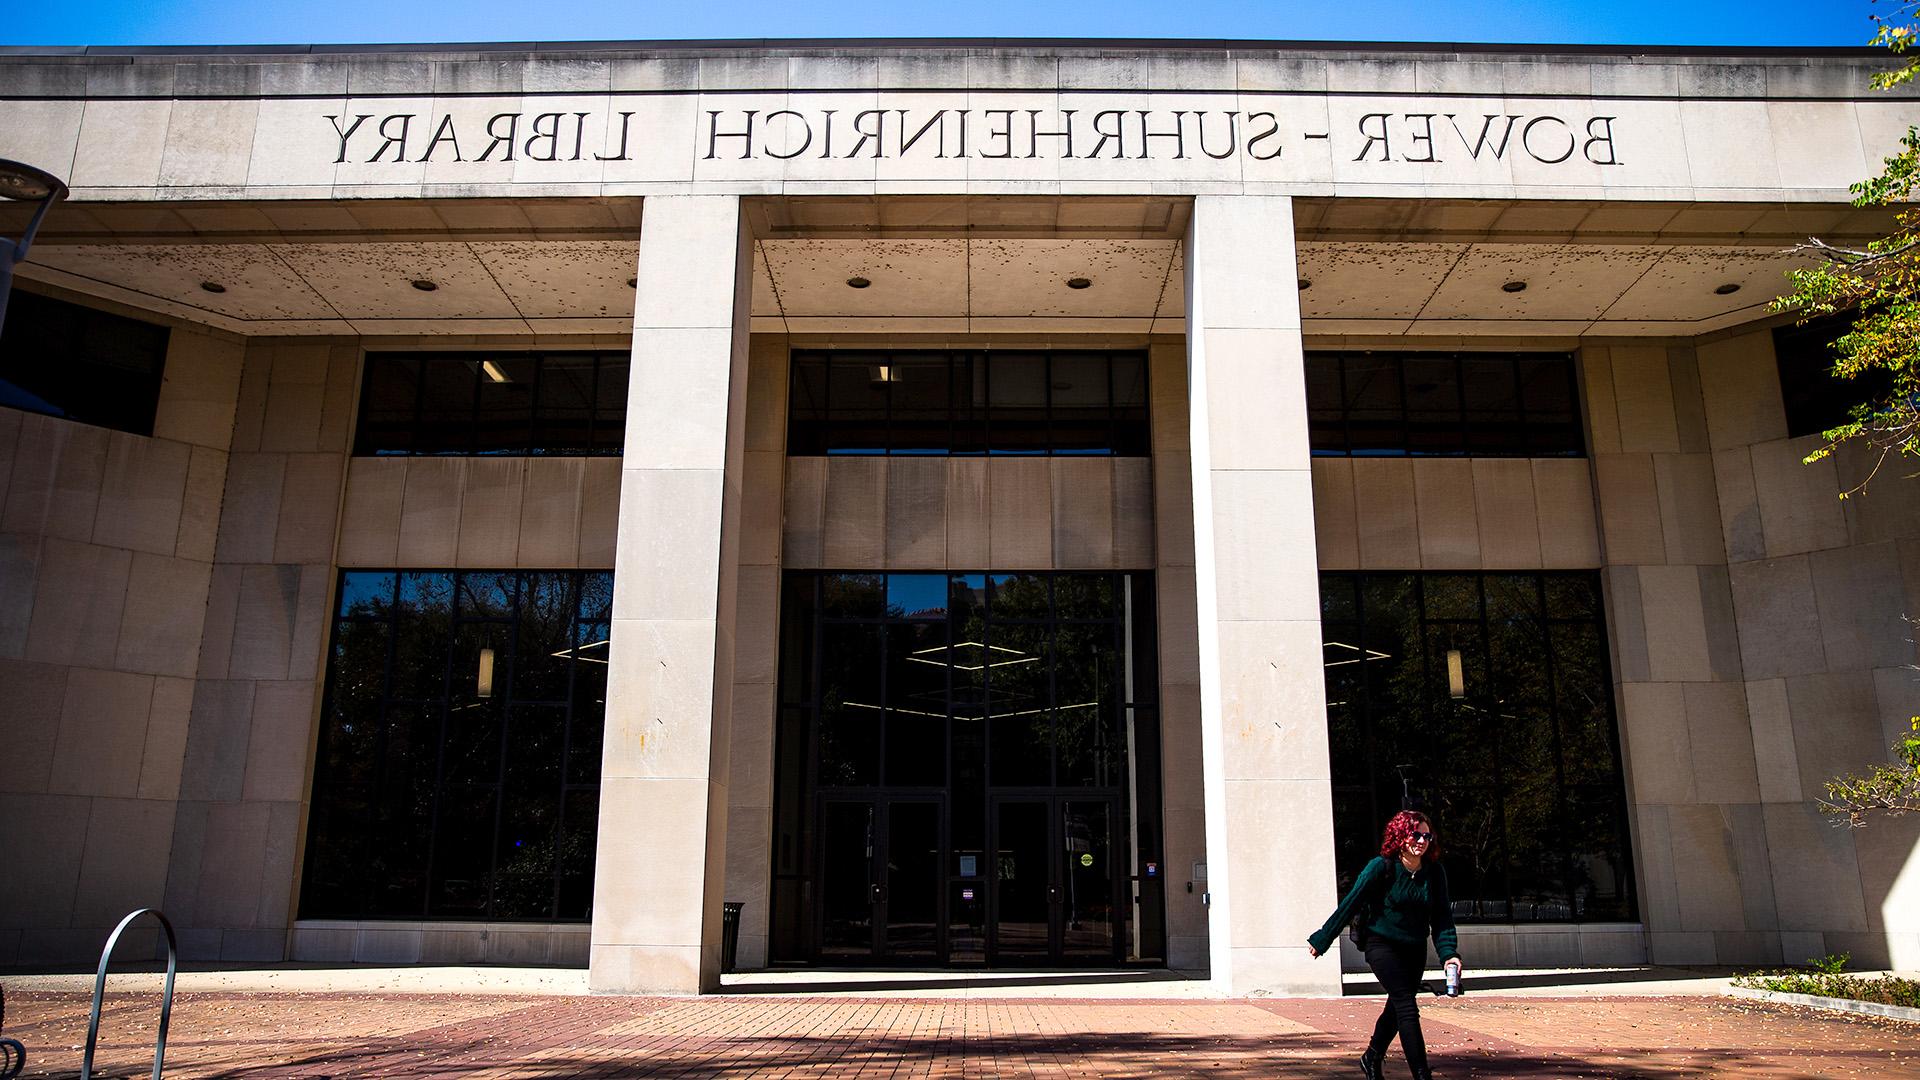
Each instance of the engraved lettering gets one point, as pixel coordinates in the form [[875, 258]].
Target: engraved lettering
[[1255, 138], [859, 128], [1116, 135], [1526, 140], [806, 130], [1386, 148], [550, 136], [1233, 136], [714, 134], [513, 133], [626, 119], [443, 133], [1602, 137], [1423, 135], [1485, 137], [1035, 134], [1178, 134], [939, 143], [347, 134], [400, 140]]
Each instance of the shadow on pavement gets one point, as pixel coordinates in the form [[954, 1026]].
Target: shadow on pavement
[[1106, 1055], [1547, 980], [814, 983]]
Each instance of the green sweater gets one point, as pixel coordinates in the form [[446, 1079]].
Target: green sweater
[[1414, 903]]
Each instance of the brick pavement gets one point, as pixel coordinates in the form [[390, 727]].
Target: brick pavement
[[279, 1036]]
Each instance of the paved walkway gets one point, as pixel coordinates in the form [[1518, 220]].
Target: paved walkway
[[341, 1035]]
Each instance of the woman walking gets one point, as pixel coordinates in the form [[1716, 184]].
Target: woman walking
[[1400, 897]]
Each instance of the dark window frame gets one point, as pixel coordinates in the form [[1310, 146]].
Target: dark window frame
[[73, 378], [1814, 399], [798, 785], [973, 428], [387, 429], [1380, 792], [1331, 423], [330, 839]]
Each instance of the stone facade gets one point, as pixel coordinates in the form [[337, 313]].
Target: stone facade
[[165, 602]]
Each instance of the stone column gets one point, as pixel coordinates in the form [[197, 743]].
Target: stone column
[[663, 790], [1269, 801]]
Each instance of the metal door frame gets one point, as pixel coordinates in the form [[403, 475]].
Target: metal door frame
[[880, 805], [1118, 884]]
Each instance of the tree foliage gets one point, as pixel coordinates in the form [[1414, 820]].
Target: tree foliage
[[1891, 789], [1879, 282]]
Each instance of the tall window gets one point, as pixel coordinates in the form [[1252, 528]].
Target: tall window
[[459, 763], [517, 403], [1444, 404], [84, 365], [857, 402], [1483, 699], [964, 688], [1815, 398]]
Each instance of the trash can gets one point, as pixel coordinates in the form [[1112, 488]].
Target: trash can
[[729, 935]]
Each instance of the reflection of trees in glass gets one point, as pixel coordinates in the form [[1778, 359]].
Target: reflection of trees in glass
[[436, 794], [1498, 766], [1037, 655]]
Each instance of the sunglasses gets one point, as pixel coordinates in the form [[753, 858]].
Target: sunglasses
[[1427, 836]]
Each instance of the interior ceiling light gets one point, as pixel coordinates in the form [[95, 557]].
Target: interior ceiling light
[[1354, 654], [1728, 289], [1514, 286], [213, 287], [493, 371], [424, 285], [1079, 283], [987, 660], [858, 283]]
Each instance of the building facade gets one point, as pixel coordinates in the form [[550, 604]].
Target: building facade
[[965, 504]]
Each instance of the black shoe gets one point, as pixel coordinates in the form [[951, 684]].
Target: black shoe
[[1423, 1074], [1370, 1065]]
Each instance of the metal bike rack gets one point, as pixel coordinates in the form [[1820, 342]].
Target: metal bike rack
[[13, 1054], [100, 987]]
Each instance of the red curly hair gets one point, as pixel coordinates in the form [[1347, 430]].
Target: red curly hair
[[1400, 829]]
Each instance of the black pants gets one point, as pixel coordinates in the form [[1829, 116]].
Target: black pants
[[1399, 969]]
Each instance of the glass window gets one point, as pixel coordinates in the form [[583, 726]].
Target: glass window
[[1449, 404], [508, 403], [79, 364], [459, 760], [967, 687], [866, 402], [1483, 699], [1815, 398]]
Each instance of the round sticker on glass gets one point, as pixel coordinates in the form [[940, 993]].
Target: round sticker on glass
[[1086, 860]]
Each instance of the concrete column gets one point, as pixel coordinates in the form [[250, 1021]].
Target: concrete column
[[661, 855], [1263, 730]]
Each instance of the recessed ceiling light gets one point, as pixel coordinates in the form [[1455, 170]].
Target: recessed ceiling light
[[424, 285], [1728, 289], [1079, 283], [1306, 283], [1514, 286], [858, 283], [213, 287]]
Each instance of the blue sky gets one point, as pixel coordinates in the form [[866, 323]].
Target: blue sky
[[1640, 22]]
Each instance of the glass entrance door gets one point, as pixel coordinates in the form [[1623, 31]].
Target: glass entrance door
[[881, 861], [1055, 881]]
